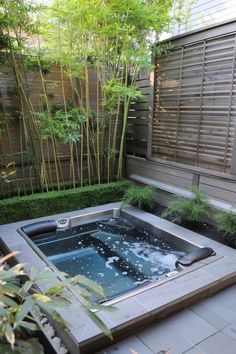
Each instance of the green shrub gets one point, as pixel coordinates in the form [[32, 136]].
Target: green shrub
[[20, 300], [41, 204], [226, 222], [141, 197], [187, 210]]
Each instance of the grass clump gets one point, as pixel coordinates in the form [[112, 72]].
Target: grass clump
[[226, 222], [143, 198], [184, 210]]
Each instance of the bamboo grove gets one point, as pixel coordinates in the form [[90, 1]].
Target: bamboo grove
[[111, 39]]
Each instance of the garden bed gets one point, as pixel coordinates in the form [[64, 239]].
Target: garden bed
[[205, 229]]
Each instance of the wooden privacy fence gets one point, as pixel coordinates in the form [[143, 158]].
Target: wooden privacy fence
[[137, 131], [190, 139], [12, 139], [195, 101]]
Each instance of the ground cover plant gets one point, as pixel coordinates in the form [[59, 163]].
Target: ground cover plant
[[21, 304], [99, 43]]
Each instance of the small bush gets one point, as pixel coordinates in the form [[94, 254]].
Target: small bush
[[141, 197], [20, 300], [226, 222], [41, 204], [187, 210]]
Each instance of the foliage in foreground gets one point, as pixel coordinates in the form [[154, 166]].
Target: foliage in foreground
[[141, 197], [226, 222], [36, 205], [188, 210], [19, 301]]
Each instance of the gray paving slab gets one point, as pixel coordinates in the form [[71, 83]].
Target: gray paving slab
[[219, 343], [195, 350], [163, 337], [132, 345], [175, 289], [127, 311], [227, 297], [230, 331], [222, 268], [220, 309], [191, 326], [227, 251], [210, 315]]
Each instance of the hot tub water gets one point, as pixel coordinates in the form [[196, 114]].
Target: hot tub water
[[113, 252]]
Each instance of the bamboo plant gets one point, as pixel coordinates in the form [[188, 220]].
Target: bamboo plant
[[99, 46]]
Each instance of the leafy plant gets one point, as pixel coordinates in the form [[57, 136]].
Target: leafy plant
[[19, 301], [188, 210], [7, 173], [226, 222], [64, 126], [141, 197]]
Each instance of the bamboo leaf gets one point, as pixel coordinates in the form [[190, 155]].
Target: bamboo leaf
[[24, 309], [6, 300], [9, 334], [28, 284], [3, 313], [41, 298], [92, 285], [95, 307], [98, 322], [54, 290], [29, 325]]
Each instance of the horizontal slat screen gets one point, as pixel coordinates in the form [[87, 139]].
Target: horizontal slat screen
[[137, 130], [195, 104]]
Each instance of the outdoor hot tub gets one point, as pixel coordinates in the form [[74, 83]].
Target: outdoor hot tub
[[118, 250], [149, 267]]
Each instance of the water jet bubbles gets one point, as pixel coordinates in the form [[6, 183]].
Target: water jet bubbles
[[110, 261]]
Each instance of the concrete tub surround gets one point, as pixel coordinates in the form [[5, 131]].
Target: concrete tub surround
[[203, 279]]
